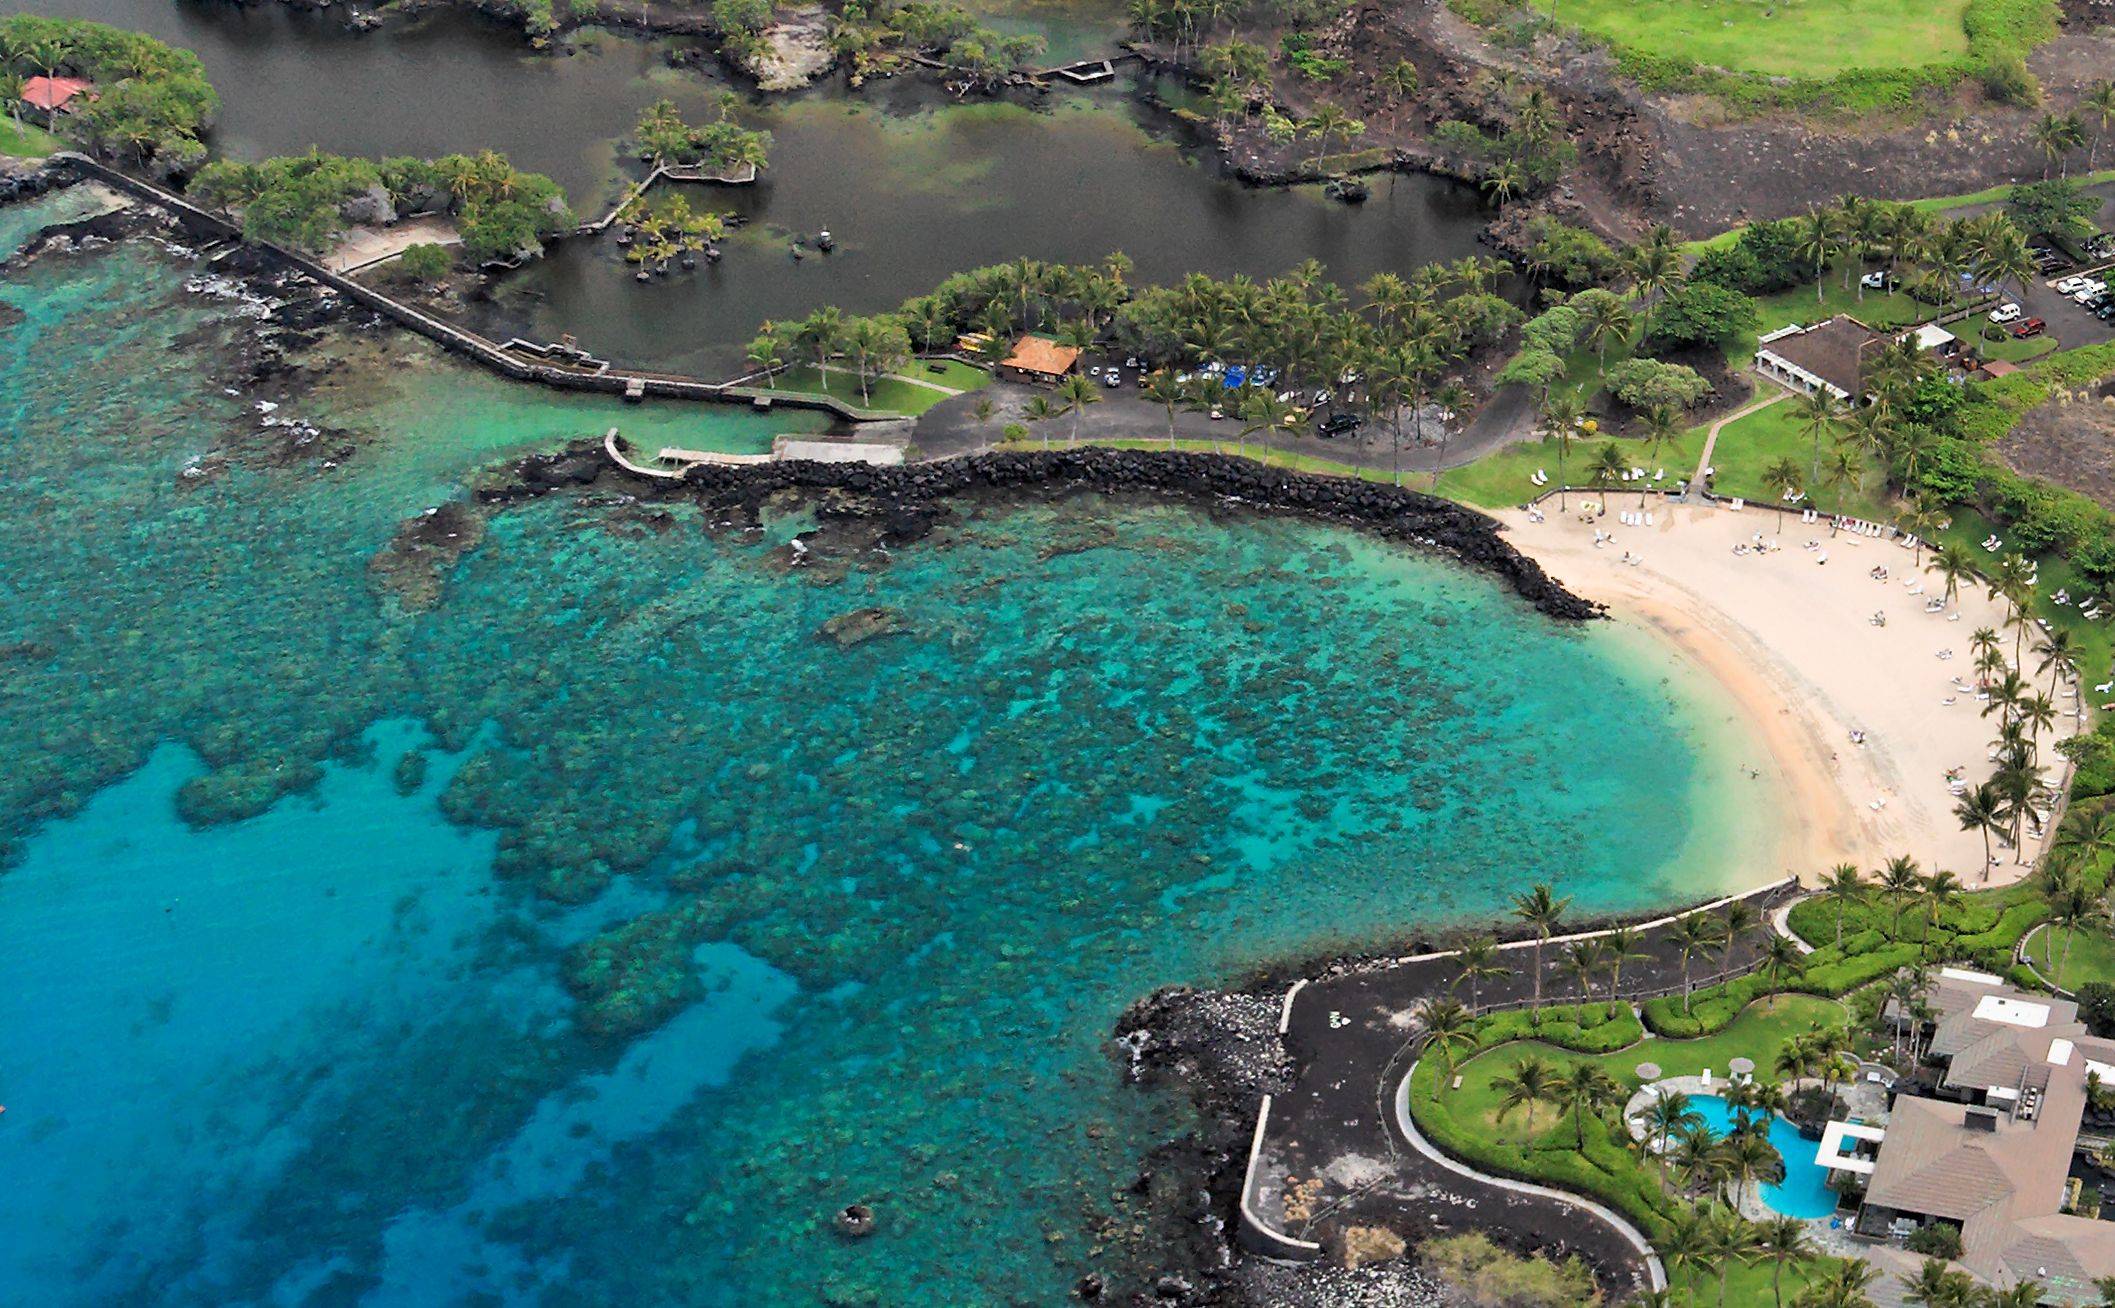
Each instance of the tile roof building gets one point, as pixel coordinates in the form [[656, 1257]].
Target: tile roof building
[[1831, 356], [1039, 359], [1990, 1151]]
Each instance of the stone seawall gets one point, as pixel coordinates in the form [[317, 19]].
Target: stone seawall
[[909, 499]]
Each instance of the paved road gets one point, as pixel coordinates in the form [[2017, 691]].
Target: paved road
[[954, 427]]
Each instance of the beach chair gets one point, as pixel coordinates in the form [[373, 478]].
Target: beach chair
[[1735, 504]]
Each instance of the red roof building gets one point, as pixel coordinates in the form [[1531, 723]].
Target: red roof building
[[54, 94]]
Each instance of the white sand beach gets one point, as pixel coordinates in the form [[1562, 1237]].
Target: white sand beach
[[1792, 639]]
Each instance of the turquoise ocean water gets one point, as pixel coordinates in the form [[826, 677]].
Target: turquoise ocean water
[[588, 930]]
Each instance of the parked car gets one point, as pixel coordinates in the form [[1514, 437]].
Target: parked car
[[2069, 284], [1340, 424], [1882, 280], [2004, 313], [2089, 292], [1112, 379], [1217, 413], [2031, 327]]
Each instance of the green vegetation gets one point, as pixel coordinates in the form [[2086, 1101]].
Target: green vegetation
[[1503, 1280], [24, 141], [721, 146], [150, 100], [306, 201], [1853, 56], [1815, 39], [424, 262], [976, 56], [906, 392]]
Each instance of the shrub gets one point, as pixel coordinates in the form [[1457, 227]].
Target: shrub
[[1489, 1277], [1936, 1240], [424, 262], [2096, 1007], [2006, 80], [1702, 313]]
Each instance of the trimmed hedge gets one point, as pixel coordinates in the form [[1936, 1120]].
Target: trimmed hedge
[[1603, 1170], [1581, 1028]]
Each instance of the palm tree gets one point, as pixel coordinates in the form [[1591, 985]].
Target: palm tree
[[1541, 910], [1074, 394], [1898, 878], [1622, 946], [1982, 809], [1583, 959], [1842, 888], [1560, 418], [1846, 1284], [1448, 1027], [1662, 429], [2071, 906], [1954, 565], [2099, 104], [1817, 244], [1584, 1090], [1818, 412], [1163, 389], [1942, 890], [2056, 136], [1783, 1240], [1685, 1244], [1782, 477], [1667, 1116], [1478, 961], [1733, 1239], [1779, 956], [1608, 468], [1938, 1286], [2059, 651], [1603, 318], [1532, 1081], [1693, 935]]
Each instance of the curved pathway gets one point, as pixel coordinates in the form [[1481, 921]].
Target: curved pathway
[[1696, 481], [1407, 1124]]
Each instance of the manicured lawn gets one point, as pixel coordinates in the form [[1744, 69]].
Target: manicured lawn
[[1748, 447], [26, 142], [895, 394], [2092, 956], [1465, 1122], [2015, 351], [2097, 639], [1791, 38], [1500, 479], [1757, 1033]]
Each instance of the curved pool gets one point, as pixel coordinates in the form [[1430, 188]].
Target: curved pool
[[1805, 1190]]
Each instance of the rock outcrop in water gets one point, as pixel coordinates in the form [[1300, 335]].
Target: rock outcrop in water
[[908, 501]]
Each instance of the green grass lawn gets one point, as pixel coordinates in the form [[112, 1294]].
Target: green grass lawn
[[2097, 639], [26, 142], [2092, 956], [892, 393], [2014, 351], [1500, 479], [1791, 38], [1748, 447], [1466, 1121]]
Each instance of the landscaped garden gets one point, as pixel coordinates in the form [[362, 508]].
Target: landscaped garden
[[911, 391]]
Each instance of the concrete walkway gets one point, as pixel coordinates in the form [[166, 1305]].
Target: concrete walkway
[[1781, 923], [1408, 1127], [1696, 483]]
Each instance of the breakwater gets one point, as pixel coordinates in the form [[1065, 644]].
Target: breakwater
[[911, 496]]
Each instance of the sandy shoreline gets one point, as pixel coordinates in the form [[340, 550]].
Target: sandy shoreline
[[1791, 640]]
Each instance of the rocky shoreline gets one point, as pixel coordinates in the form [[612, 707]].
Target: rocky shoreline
[[906, 503]]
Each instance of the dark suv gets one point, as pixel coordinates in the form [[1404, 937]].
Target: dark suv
[[1340, 424]]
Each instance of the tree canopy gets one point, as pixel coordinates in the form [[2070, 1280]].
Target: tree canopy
[[151, 100]]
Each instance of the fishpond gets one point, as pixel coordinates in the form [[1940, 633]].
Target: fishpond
[[585, 912], [912, 185]]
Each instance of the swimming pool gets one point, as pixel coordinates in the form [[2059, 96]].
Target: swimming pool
[[1805, 1191]]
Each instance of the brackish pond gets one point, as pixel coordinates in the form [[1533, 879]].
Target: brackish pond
[[864, 915], [913, 186]]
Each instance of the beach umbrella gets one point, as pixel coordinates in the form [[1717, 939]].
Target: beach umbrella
[[1648, 1071], [1741, 1066]]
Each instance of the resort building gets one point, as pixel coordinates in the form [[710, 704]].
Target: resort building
[[1830, 356], [1988, 1148], [1040, 360], [1937, 341]]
